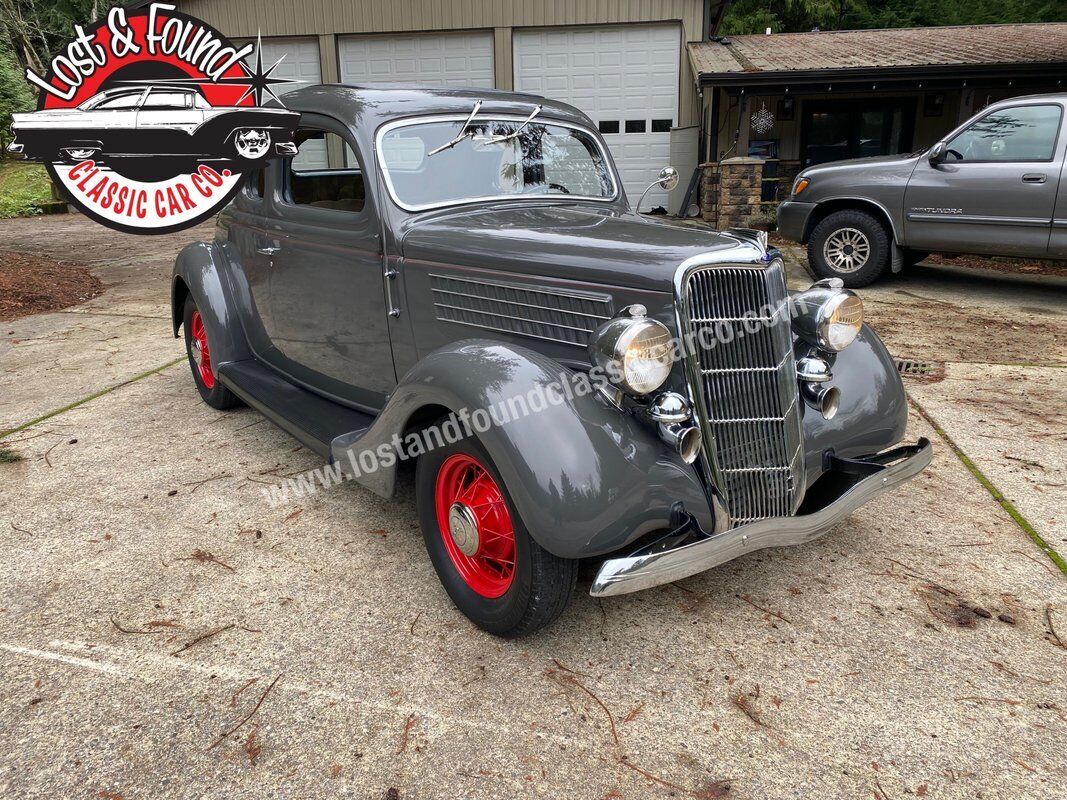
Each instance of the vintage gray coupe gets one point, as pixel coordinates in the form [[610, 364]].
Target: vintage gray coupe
[[641, 393]]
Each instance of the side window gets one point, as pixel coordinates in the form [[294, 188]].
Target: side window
[[166, 100], [121, 101], [1024, 133], [317, 177]]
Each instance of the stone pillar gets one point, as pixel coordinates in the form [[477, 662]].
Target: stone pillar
[[730, 192]]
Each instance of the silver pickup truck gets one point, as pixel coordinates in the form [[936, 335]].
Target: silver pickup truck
[[996, 186]]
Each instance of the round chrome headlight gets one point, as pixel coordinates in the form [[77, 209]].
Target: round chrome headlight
[[634, 353], [828, 317], [840, 321]]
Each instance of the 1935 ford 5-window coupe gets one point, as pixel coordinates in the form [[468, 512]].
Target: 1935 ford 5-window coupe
[[460, 270]]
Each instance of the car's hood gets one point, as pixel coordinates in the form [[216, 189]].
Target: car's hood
[[871, 162], [579, 242]]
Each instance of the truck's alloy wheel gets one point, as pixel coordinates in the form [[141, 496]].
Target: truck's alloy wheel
[[489, 564], [198, 349], [851, 245]]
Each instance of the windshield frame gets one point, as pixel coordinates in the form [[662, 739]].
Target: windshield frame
[[517, 118]]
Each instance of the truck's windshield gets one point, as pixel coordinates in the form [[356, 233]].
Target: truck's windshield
[[496, 160]]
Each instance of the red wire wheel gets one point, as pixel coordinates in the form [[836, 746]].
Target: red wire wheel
[[201, 353], [475, 525]]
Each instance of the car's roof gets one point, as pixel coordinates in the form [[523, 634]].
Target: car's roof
[[367, 106]]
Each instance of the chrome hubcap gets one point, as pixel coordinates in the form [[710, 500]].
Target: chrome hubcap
[[846, 250], [198, 353], [463, 527]]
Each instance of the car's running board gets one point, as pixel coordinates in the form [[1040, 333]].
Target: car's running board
[[312, 419]]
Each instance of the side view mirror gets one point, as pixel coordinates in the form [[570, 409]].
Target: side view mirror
[[937, 153], [668, 179]]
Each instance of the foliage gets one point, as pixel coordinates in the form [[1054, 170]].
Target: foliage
[[755, 16], [15, 94], [24, 189], [8, 456]]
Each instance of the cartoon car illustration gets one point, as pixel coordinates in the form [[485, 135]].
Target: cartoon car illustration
[[154, 130]]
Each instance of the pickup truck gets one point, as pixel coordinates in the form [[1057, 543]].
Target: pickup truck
[[990, 187]]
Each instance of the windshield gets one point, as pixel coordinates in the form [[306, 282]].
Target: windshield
[[495, 159]]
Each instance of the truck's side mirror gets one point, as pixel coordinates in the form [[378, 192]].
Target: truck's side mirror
[[937, 153]]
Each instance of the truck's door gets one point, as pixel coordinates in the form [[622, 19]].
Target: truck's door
[[327, 285], [996, 189]]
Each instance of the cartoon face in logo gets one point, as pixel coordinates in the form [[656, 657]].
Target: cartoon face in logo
[[252, 143]]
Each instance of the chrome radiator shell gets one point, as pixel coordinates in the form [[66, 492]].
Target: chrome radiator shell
[[743, 386]]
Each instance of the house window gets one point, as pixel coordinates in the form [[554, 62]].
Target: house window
[[636, 125], [609, 126], [835, 130]]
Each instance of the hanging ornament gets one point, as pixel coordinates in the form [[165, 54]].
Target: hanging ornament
[[762, 120]]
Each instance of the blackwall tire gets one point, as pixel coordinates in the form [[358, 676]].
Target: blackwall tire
[[852, 245], [540, 584], [198, 349]]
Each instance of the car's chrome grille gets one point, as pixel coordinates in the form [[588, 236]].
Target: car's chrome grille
[[738, 318]]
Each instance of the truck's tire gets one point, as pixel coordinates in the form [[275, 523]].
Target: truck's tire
[[199, 351], [852, 245], [507, 601]]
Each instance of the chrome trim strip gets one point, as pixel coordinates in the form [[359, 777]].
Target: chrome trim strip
[[634, 573], [431, 118], [975, 219]]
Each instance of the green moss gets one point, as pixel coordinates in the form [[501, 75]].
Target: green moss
[[24, 189], [9, 456]]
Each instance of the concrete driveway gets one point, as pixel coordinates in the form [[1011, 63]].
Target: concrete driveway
[[166, 633]]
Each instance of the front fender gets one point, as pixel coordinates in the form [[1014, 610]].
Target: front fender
[[873, 412], [585, 478], [198, 271]]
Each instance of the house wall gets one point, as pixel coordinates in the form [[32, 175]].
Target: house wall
[[328, 19]]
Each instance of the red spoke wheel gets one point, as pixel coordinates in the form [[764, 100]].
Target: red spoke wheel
[[490, 565], [475, 525], [201, 352], [198, 348]]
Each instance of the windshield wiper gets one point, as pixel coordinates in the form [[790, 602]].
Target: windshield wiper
[[514, 134], [459, 136]]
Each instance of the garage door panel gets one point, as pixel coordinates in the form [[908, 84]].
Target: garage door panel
[[613, 74], [447, 59]]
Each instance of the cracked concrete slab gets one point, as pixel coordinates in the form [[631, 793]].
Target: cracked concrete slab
[[874, 657]]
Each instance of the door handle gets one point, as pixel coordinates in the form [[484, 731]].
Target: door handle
[[1035, 177], [267, 251]]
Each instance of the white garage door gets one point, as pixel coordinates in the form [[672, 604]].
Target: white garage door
[[624, 77], [443, 59], [300, 61]]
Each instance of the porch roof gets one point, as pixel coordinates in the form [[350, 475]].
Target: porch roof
[[970, 49]]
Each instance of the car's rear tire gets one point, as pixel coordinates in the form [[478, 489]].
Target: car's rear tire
[[198, 349], [852, 245], [472, 531]]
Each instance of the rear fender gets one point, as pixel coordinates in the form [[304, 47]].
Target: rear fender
[[585, 478], [198, 271]]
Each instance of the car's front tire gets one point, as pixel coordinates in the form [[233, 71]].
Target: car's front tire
[[491, 567], [852, 245], [198, 349]]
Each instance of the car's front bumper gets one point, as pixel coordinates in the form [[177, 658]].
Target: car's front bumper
[[793, 219], [656, 565]]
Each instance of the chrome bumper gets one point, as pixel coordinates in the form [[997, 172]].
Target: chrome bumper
[[647, 569]]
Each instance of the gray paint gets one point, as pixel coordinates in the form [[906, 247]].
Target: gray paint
[[586, 478], [960, 207]]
